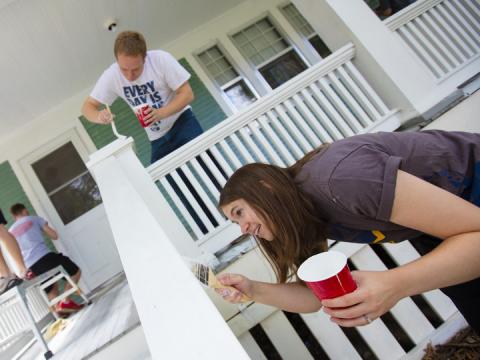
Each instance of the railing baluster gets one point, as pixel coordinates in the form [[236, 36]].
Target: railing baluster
[[443, 38], [203, 195], [254, 147], [467, 29], [359, 95], [300, 122], [277, 125], [256, 131], [181, 208], [352, 103], [333, 129], [220, 159], [241, 148], [280, 147], [191, 200], [332, 111], [298, 136], [205, 178], [311, 119]]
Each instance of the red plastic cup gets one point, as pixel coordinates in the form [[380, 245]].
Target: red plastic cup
[[327, 275], [141, 111]]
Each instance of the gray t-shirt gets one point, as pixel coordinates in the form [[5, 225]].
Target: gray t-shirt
[[352, 184], [28, 231]]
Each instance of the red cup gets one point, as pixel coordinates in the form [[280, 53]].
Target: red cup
[[327, 275], [141, 111]]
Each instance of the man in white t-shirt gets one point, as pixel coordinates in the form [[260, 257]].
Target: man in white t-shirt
[[156, 79], [152, 78]]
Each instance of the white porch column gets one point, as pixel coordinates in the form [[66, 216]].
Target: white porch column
[[380, 51], [178, 318]]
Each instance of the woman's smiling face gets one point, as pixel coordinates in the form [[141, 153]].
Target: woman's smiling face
[[250, 222]]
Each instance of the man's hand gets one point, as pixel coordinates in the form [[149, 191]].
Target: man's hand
[[154, 115], [104, 117]]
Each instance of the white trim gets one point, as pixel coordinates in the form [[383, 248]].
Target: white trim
[[410, 13]]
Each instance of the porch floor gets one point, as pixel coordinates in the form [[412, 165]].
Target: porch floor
[[111, 315]]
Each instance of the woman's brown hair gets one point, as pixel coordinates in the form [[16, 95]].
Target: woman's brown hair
[[289, 213]]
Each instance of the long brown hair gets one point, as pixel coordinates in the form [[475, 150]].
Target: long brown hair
[[289, 213]]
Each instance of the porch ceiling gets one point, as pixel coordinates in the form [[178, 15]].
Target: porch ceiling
[[53, 49]]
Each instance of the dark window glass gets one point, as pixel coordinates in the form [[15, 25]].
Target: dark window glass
[[282, 69], [67, 182], [320, 46]]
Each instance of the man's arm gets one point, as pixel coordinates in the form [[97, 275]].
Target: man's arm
[[51, 233], [90, 109], [183, 97]]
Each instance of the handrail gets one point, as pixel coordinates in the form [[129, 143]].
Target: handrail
[[237, 121], [409, 13]]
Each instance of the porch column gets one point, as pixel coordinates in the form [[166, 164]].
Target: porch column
[[178, 318], [380, 51]]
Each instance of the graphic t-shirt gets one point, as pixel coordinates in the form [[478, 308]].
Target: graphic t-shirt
[[162, 75], [352, 184], [3, 221], [28, 231]]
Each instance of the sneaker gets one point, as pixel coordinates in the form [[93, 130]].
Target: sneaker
[[29, 275], [6, 283], [68, 306]]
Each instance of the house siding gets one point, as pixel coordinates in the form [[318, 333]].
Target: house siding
[[204, 106]]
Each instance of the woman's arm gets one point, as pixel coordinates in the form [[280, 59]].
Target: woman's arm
[[293, 297], [432, 210]]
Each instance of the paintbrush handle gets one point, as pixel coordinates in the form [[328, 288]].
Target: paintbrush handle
[[114, 128], [215, 284]]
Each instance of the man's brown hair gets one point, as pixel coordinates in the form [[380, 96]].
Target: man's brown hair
[[17, 209], [130, 43]]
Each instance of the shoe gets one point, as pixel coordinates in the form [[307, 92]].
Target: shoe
[[6, 283], [29, 275], [68, 306]]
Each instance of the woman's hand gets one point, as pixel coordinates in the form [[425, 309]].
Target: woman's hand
[[376, 293], [240, 284]]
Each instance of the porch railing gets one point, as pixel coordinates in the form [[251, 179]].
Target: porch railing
[[327, 102], [443, 34]]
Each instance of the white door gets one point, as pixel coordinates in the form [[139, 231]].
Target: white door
[[72, 202]]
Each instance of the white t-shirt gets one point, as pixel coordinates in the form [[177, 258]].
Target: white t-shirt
[[162, 75]]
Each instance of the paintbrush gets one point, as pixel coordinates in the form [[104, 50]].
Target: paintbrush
[[114, 128], [206, 276]]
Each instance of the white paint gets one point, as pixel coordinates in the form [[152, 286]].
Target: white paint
[[322, 266], [178, 319]]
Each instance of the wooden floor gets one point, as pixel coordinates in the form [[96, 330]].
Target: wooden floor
[[109, 317]]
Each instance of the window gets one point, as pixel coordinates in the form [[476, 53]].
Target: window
[[305, 29], [267, 50], [226, 77], [67, 182]]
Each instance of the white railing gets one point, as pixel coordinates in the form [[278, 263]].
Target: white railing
[[383, 340], [13, 319], [443, 34], [327, 102]]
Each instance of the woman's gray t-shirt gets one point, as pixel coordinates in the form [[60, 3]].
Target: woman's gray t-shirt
[[352, 183]]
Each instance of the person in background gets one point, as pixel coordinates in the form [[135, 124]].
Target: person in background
[[29, 231], [371, 189], [9, 280]]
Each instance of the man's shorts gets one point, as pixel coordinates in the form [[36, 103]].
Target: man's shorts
[[52, 260]]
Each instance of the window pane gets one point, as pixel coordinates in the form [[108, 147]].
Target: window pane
[[320, 46], [59, 167], [282, 69], [262, 41], [240, 95], [298, 20], [76, 198], [218, 66]]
